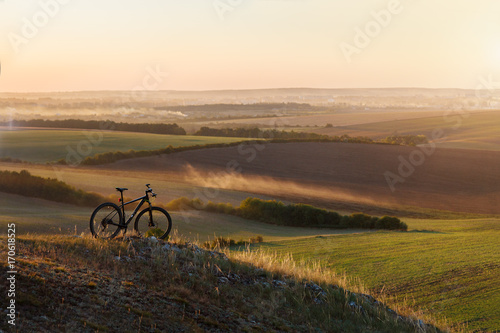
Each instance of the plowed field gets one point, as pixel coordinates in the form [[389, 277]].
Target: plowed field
[[333, 173]]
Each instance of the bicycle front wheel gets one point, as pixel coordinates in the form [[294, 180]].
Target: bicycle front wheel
[[153, 222], [105, 221]]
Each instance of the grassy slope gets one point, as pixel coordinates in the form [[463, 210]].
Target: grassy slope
[[452, 271], [85, 285], [51, 145]]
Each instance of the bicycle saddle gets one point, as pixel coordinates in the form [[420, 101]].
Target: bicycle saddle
[[121, 189]]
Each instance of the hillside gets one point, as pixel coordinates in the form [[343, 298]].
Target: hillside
[[78, 284]]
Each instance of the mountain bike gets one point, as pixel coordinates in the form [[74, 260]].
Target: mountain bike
[[108, 219]]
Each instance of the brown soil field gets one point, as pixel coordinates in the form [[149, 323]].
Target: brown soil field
[[340, 119], [340, 175]]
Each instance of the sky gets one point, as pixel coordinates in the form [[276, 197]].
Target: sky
[[75, 45]]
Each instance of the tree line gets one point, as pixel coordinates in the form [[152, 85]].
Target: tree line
[[154, 128], [25, 184], [291, 106], [296, 215], [277, 136], [111, 157], [406, 140]]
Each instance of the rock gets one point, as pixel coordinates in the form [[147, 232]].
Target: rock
[[171, 247], [193, 248], [356, 306], [122, 258], [279, 283], [314, 287], [233, 277], [153, 240], [145, 250], [317, 301], [223, 279], [368, 298]]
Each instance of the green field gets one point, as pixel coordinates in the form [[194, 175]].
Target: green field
[[41, 146], [449, 268]]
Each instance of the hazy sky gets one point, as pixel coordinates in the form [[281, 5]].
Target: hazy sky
[[56, 45]]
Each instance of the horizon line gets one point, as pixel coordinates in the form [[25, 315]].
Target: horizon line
[[227, 90]]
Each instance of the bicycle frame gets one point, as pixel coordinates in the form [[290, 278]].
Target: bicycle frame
[[123, 204]]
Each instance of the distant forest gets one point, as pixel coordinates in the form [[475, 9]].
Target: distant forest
[[100, 125], [242, 107], [277, 136]]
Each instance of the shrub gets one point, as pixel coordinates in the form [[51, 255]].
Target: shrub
[[360, 220], [390, 223], [23, 183], [219, 242], [256, 239], [298, 215], [156, 232]]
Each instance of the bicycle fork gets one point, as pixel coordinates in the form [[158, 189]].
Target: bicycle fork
[[151, 223]]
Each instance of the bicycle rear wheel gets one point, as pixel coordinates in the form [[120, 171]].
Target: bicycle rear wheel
[[106, 220], [153, 222]]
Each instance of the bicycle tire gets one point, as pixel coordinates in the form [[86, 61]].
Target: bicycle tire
[[161, 220], [105, 221]]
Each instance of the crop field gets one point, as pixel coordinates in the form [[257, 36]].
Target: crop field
[[46, 145], [460, 129], [317, 119], [449, 268]]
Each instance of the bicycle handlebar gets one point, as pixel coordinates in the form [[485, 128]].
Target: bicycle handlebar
[[150, 190]]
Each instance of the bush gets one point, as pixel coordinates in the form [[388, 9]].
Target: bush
[[23, 183], [183, 203], [298, 215], [302, 215], [219, 242], [173, 129], [156, 232], [390, 223], [360, 220], [406, 140], [256, 239]]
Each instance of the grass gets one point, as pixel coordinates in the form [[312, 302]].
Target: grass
[[50, 145], [449, 268], [190, 290]]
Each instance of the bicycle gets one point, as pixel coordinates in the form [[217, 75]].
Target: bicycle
[[108, 219]]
